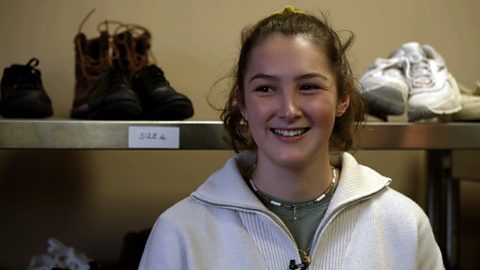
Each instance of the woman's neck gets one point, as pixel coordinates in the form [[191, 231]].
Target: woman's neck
[[293, 183]]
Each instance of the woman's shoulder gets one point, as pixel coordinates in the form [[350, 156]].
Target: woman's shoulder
[[396, 207], [403, 201], [388, 200], [184, 210]]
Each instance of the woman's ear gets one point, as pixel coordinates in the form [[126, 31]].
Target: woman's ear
[[342, 104]]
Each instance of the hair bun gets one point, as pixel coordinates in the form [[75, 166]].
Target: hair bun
[[289, 9]]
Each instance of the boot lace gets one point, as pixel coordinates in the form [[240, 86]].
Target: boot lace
[[100, 65], [136, 60], [115, 76], [157, 76]]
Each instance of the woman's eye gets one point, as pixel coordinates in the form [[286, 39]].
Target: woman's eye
[[264, 89], [309, 87]]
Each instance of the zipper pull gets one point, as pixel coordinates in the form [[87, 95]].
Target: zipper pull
[[302, 266]]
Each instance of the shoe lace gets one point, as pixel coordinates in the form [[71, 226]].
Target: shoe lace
[[115, 76], [98, 65], [390, 66], [35, 73], [35, 62], [136, 60], [157, 75], [419, 70], [28, 74]]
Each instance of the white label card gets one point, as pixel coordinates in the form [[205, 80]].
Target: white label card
[[154, 137]]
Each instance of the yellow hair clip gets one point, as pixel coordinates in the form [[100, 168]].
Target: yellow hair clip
[[289, 9]]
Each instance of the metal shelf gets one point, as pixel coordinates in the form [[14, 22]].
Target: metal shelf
[[437, 139], [208, 135]]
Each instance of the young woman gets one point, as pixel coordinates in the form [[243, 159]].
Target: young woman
[[283, 204]]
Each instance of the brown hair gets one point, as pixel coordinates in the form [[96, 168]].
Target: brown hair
[[321, 33]]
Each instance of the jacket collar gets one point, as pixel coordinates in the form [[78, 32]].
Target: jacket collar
[[356, 183], [228, 188]]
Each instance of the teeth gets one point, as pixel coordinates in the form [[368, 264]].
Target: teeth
[[290, 133]]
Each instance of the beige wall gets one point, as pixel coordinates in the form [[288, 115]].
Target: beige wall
[[91, 199]]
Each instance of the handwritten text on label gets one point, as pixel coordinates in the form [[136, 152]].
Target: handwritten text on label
[[153, 137]]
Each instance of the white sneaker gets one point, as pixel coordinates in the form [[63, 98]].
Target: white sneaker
[[432, 90], [384, 87], [60, 256], [44, 262], [470, 100]]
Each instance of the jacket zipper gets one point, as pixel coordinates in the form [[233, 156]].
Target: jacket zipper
[[284, 228]]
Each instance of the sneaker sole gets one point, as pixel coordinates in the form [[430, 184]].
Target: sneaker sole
[[425, 112], [386, 99]]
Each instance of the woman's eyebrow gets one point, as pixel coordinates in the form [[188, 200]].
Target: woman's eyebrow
[[311, 75], [298, 78], [265, 77]]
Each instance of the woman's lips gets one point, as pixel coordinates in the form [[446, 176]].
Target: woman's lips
[[289, 132]]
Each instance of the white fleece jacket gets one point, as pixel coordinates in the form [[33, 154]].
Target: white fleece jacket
[[224, 226]]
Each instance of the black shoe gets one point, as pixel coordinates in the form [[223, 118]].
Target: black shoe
[[23, 95], [111, 98], [159, 100]]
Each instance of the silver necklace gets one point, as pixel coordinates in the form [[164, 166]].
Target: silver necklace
[[295, 207]]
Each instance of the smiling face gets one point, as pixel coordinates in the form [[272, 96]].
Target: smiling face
[[291, 101]]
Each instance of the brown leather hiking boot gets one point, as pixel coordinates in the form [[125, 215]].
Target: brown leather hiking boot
[[91, 62], [102, 90]]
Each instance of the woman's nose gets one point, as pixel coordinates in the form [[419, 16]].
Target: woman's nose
[[289, 108]]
